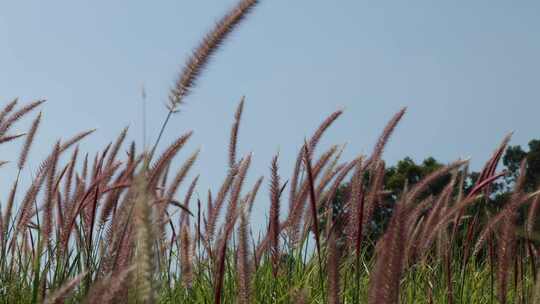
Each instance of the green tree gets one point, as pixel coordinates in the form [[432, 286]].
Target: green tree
[[512, 159], [407, 171]]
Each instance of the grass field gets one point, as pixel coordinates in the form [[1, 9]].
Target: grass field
[[113, 229]]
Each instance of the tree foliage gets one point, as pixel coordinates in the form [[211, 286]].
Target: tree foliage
[[406, 173]]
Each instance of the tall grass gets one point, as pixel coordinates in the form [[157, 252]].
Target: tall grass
[[109, 229]]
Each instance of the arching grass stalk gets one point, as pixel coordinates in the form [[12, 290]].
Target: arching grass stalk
[[359, 245], [313, 201], [200, 58], [37, 263]]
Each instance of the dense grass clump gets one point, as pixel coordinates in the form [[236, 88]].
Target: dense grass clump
[[107, 229]]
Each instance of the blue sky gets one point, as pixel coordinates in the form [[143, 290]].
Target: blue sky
[[467, 70]]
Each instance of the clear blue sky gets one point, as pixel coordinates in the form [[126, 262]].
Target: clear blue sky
[[467, 70]]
